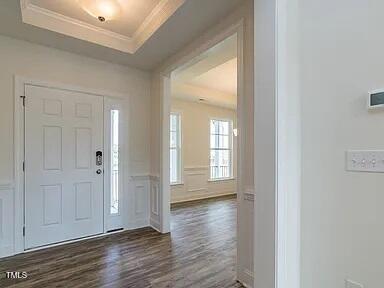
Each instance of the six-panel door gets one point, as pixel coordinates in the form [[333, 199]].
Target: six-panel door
[[63, 192]]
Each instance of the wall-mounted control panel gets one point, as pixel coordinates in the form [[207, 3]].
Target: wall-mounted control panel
[[365, 161], [376, 99], [352, 284]]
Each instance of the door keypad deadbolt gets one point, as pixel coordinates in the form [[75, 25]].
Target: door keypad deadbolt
[[99, 158]]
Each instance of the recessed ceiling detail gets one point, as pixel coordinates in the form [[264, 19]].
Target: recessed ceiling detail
[[126, 31], [103, 10], [211, 76]]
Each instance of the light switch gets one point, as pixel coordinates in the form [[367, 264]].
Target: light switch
[[365, 161], [352, 284]]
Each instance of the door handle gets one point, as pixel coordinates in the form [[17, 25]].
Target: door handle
[[98, 171]]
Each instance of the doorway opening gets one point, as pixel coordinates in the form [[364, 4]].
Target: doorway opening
[[203, 125], [204, 148]]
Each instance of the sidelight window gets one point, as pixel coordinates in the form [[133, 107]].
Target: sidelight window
[[115, 154]]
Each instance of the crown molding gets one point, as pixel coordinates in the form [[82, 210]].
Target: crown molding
[[161, 13], [50, 20]]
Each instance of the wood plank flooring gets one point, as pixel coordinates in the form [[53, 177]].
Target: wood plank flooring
[[200, 252]]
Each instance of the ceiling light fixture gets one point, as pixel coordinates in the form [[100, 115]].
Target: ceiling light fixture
[[104, 10]]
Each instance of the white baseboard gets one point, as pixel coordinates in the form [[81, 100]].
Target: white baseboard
[[246, 278], [6, 251], [155, 224], [138, 223], [201, 198]]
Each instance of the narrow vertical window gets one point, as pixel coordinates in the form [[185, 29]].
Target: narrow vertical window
[[175, 148], [114, 162], [220, 149]]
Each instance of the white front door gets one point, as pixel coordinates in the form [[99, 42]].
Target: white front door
[[64, 182]]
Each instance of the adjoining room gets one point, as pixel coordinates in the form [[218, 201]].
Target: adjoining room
[[203, 158], [203, 125]]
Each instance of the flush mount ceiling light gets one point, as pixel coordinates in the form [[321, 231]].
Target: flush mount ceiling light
[[104, 10]]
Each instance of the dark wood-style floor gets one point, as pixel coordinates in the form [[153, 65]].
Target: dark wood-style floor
[[200, 252]]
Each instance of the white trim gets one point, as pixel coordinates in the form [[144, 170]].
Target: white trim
[[197, 189], [20, 83], [203, 198], [221, 179], [177, 184], [155, 225], [67, 87], [230, 149], [240, 138], [249, 195], [288, 146], [277, 157], [138, 223], [180, 148], [73, 241], [246, 278], [50, 20], [165, 187], [18, 162], [143, 177], [195, 168], [115, 221], [161, 13], [165, 72], [155, 195], [6, 186]]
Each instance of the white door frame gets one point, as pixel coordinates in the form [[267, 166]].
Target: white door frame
[[277, 145], [277, 160], [237, 28], [19, 201]]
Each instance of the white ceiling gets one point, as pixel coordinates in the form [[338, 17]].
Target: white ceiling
[[222, 78], [137, 21], [134, 13], [212, 76], [186, 24]]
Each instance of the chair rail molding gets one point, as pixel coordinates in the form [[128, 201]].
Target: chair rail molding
[[249, 194]]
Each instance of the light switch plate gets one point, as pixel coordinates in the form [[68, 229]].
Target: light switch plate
[[365, 161], [352, 284]]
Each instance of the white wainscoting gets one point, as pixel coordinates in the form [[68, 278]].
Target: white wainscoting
[[154, 218], [136, 215], [196, 179], [245, 237], [196, 185], [6, 219], [138, 202]]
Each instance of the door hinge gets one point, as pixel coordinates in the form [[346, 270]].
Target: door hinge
[[23, 166], [24, 231], [23, 97]]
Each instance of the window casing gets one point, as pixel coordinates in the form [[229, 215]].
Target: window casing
[[175, 149], [221, 150]]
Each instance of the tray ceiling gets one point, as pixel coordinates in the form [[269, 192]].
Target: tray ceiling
[[128, 32]]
